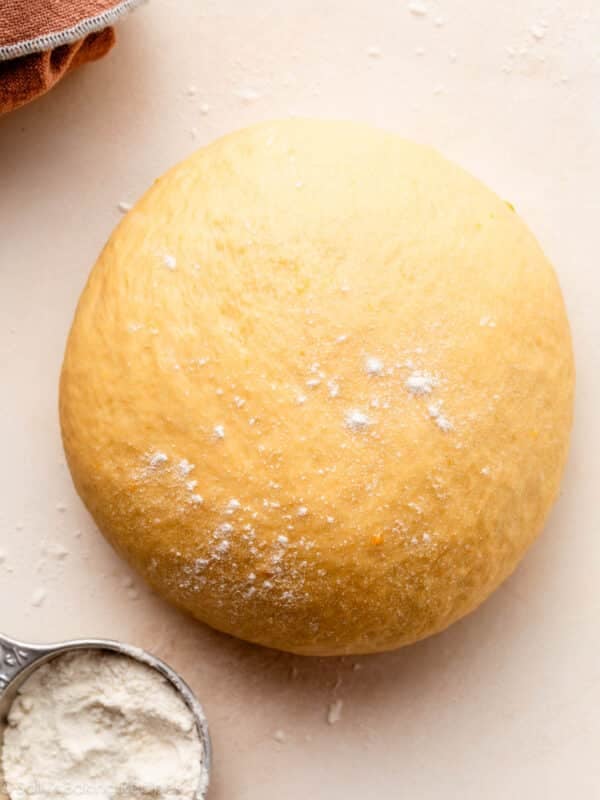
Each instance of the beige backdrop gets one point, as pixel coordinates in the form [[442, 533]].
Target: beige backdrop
[[504, 704]]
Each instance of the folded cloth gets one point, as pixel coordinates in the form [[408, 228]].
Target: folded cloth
[[23, 79], [42, 40]]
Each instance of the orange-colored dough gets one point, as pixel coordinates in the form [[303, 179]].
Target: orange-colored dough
[[319, 387]]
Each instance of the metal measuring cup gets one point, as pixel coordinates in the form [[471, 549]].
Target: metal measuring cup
[[19, 660]]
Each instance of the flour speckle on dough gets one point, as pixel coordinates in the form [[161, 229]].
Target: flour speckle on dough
[[184, 467], [158, 458], [169, 261], [420, 383], [356, 420], [232, 506], [373, 366], [219, 431], [224, 527], [440, 420]]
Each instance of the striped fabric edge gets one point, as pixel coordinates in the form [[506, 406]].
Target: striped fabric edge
[[51, 40]]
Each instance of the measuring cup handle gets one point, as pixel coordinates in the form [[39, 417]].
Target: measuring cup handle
[[14, 657]]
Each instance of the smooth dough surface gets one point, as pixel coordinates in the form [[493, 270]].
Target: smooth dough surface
[[318, 389]]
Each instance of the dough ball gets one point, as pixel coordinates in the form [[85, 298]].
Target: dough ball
[[318, 389]]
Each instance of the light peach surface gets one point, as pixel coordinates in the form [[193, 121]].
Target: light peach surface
[[504, 703]]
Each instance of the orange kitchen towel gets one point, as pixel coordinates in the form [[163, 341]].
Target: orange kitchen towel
[[41, 40]]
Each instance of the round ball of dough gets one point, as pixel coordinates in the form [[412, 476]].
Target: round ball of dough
[[318, 389]]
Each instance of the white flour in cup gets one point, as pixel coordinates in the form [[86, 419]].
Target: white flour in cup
[[97, 725]]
